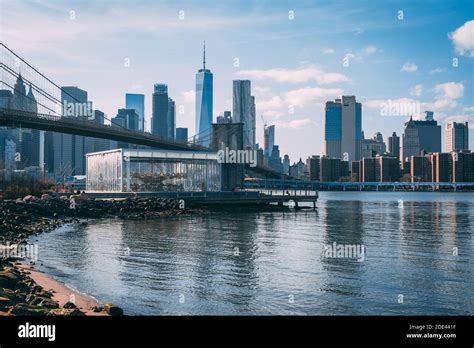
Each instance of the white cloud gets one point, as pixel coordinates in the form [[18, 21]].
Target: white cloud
[[409, 67], [468, 109], [370, 49], [437, 71], [303, 96], [451, 90], [463, 39], [328, 51], [274, 103], [189, 96], [295, 124], [417, 90], [295, 76]]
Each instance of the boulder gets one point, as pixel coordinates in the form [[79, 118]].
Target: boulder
[[25, 309], [113, 310], [30, 198], [66, 312], [46, 197]]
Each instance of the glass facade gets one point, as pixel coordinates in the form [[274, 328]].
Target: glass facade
[[333, 121], [152, 171]]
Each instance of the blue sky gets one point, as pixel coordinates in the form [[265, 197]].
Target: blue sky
[[296, 60]]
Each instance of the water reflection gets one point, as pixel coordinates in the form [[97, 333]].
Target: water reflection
[[271, 263]]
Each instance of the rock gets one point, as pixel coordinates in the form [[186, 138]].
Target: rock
[[113, 310], [46, 197], [69, 305], [66, 312], [96, 309], [9, 280], [25, 309], [19, 201], [5, 302], [30, 198]]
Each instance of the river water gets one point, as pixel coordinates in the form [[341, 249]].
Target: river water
[[415, 256]]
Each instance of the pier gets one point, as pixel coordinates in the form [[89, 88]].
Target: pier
[[289, 198]]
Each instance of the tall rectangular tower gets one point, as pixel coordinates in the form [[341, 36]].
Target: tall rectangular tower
[[204, 82], [244, 110], [456, 137], [137, 102], [160, 110], [343, 128]]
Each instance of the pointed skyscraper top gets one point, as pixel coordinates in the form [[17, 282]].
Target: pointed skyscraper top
[[204, 56]]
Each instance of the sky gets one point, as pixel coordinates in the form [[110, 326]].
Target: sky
[[396, 57]]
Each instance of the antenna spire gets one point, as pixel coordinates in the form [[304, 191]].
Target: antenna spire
[[204, 56]]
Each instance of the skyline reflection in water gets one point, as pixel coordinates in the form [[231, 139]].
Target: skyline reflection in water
[[273, 263]]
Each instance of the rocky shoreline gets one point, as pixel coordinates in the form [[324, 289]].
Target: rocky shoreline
[[22, 218]]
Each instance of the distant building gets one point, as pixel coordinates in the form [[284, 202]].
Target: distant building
[[456, 137], [389, 169], [171, 119], [244, 110], [370, 170], [298, 170], [463, 166], [343, 128], [421, 169], [129, 119], [330, 169], [373, 147], [442, 167], [182, 134], [314, 167], [137, 102], [226, 117], [160, 121], [274, 161], [421, 137], [69, 150], [268, 140], [204, 103], [355, 171], [286, 164], [394, 145]]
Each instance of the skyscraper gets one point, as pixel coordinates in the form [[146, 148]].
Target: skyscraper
[[182, 134], [137, 102], [204, 99], [244, 110], [69, 150], [171, 119], [456, 137], [268, 140], [160, 119], [394, 145], [421, 136], [343, 128]]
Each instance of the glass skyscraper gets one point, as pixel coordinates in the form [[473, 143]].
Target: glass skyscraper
[[343, 128], [204, 81], [159, 121], [244, 110], [137, 102]]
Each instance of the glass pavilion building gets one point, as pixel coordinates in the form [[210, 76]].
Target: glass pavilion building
[[127, 170]]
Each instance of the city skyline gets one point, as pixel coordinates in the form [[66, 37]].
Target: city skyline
[[292, 77]]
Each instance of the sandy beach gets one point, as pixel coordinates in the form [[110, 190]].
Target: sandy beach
[[63, 294]]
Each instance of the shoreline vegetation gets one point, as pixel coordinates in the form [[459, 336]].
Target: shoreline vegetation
[[26, 291]]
